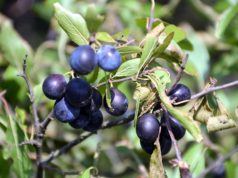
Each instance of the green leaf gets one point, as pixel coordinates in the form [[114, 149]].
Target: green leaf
[[195, 157], [179, 33], [147, 52], [136, 111], [12, 46], [156, 164], [105, 37], [93, 19], [22, 165], [73, 24], [182, 117], [166, 41], [87, 173], [225, 20], [108, 95], [128, 68], [199, 58], [125, 50]]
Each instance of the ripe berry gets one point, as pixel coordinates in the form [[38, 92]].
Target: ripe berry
[[109, 58], [165, 145], [83, 59], [64, 112], [180, 93], [54, 86], [147, 128], [119, 103], [78, 92], [95, 103], [81, 121], [177, 129], [96, 119], [147, 147]]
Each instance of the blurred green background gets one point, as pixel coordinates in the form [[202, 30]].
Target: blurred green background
[[29, 27]]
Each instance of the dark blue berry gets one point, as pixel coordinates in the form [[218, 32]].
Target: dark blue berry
[[165, 145], [95, 103], [54, 86], [81, 121], [109, 58], [64, 112], [83, 59], [180, 93], [78, 92], [147, 128], [119, 103], [96, 120], [177, 129]]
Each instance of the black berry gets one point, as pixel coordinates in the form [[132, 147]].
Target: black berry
[[147, 128], [83, 59], [95, 103], [64, 112], [96, 119], [165, 144], [119, 103], [177, 129], [109, 58], [54, 86], [81, 121], [78, 92], [179, 93]]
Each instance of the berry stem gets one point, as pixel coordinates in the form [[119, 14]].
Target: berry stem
[[183, 166]]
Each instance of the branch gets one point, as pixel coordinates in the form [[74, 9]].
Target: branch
[[180, 72], [219, 161], [32, 97], [84, 136], [210, 90], [183, 166]]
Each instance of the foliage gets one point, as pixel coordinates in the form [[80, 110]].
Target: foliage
[[210, 40]]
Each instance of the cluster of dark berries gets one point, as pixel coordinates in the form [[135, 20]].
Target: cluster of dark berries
[[148, 125], [78, 103]]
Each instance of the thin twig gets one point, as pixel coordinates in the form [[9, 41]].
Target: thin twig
[[183, 166], [38, 134], [219, 161], [84, 136], [180, 72], [29, 142], [210, 90], [44, 124], [151, 19]]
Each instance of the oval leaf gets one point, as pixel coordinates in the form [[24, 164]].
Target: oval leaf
[[73, 24], [125, 50], [128, 68], [105, 37]]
